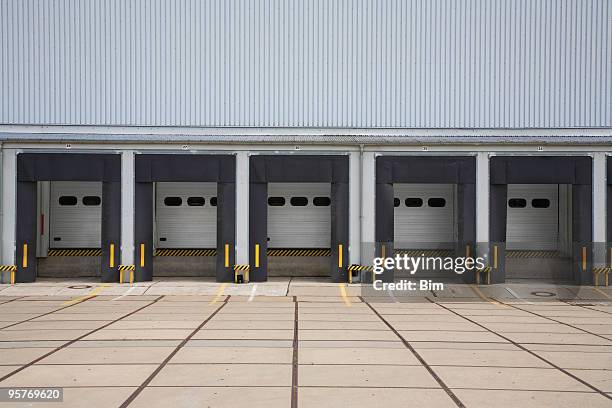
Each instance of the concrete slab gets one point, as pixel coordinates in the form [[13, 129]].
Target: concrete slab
[[213, 397], [521, 399], [244, 334], [359, 356], [504, 378], [228, 375], [370, 335], [365, 376], [139, 334], [93, 397], [80, 376], [557, 338], [578, 359], [341, 325], [333, 397], [28, 335], [108, 355], [451, 336], [476, 357], [22, 356], [233, 355], [601, 379]]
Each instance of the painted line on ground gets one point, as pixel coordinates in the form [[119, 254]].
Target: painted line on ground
[[219, 293], [94, 292], [126, 293], [601, 292], [485, 298], [253, 293], [345, 298], [513, 293]]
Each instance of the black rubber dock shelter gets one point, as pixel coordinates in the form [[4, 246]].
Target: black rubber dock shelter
[[573, 170], [266, 169], [459, 170], [151, 168], [35, 167]]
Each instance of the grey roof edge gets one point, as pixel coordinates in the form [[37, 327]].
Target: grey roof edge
[[354, 139]]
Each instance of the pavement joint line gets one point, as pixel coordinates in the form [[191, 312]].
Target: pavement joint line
[[439, 380], [252, 295], [68, 343], [485, 298], [294, 358], [345, 298], [45, 314], [520, 346], [586, 307], [219, 293], [560, 322], [92, 293], [182, 344]]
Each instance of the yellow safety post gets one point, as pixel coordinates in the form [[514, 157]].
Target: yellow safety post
[[142, 255], [495, 256], [25, 256], [584, 259], [339, 255], [257, 255], [227, 255], [111, 261]]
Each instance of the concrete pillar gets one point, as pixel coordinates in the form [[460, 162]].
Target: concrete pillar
[[9, 210], [482, 203], [354, 207], [127, 207], [368, 207], [242, 208], [599, 209]]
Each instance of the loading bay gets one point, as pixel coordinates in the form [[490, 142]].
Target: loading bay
[[301, 343]]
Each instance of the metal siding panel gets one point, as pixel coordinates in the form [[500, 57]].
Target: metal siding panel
[[424, 227], [77, 226], [299, 227], [533, 228], [404, 64], [185, 226]]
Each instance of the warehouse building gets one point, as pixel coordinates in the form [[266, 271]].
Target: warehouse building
[[190, 138]]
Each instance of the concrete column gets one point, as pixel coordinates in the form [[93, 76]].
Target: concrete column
[[354, 207], [127, 207], [482, 203], [368, 207], [242, 208], [599, 209], [9, 210]]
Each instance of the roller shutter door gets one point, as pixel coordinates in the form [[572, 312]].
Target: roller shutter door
[[424, 216], [533, 216], [291, 224], [76, 214], [186, 215]]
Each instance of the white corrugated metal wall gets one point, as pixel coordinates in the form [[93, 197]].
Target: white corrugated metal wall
[[315, 63]]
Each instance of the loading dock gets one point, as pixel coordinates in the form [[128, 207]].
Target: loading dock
[[89, 186], [185, 229], [425, 204], [185, 215], [299, 229], [301, 178], [522, 192]]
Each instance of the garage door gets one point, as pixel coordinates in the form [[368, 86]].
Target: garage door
[[299, 215], [186, 215], [75, 214], [424, 216], [533, 216]]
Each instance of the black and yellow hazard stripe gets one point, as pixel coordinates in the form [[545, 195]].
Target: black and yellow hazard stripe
[[299, 252], [126, 267], [598, 271], [241, 270], [424, 252], [7, 268], [525, 254], [357, 268], [185, 252], [75, 252]]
